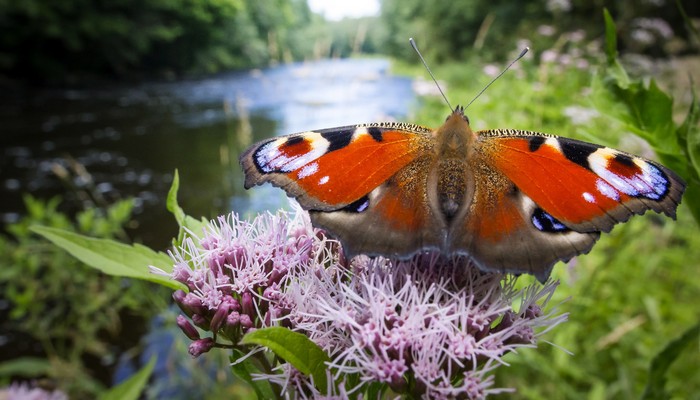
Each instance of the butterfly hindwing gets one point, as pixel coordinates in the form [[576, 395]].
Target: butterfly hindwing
[[504, 230], [392, 220]]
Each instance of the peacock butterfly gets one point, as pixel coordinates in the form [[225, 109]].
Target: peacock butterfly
[[511, 200]]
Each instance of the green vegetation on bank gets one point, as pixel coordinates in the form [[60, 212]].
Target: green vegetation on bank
[[76, 41]]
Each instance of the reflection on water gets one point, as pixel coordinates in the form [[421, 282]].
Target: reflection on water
[[131, 139]]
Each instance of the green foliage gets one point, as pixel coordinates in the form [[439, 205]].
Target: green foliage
[[112, 257], [56, 305], [460, 29], [56, 41], [244, 369], [296, 349], [660, 364], [132, 388], [183, 220]]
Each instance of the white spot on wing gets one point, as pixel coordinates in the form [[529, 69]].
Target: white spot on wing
[[588, 197], [554, 143], [359, 132], [323, 180], [606, 190], [307, 170]]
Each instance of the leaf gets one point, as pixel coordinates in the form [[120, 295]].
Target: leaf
[[131, 388], [615, 69], [610, 37], [296, 349], [185, 221], [26, 367], [112, 257], [244, 370], [689, 133], [689, 138], [660, 364]]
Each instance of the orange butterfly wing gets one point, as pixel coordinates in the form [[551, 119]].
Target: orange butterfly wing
[[332, 168]]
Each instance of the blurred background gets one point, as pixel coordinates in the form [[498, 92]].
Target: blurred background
[[101, 100]]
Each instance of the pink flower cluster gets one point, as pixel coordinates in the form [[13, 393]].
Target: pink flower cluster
[[430, 326], [234, 274]]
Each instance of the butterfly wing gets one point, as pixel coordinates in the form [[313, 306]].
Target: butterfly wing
[[540, 199], [587, 187], [364, 184]]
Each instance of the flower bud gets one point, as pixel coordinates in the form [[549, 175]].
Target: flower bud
[[200, 346], [200, 321], [192, 305], [246, 322], [247, 304], [187, 328], [233, 319], [218, 317]]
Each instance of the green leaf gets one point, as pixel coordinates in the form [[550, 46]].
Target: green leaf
[[610, 37], [244, 370], [660, 364], [689, 133], [615, 69], [689, 138], [131, 388], [185, 221], [296, 349], [26, 367], [111, 257]]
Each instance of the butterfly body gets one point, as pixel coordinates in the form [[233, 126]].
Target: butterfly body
[[511, 200]]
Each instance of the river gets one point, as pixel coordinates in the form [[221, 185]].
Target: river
[[131, 139]]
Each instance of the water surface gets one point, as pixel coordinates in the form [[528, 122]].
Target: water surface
[[131, 139]]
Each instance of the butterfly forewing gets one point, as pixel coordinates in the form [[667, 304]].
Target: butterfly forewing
[[584, 186], [330, 169]]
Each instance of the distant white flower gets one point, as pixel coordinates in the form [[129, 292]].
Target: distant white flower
[[549, 56], [546, 30], [555, 6], [577, 35], [491, 70], [580, 115], [656, 26]]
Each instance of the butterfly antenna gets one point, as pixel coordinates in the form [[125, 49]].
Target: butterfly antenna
[[522, 53], [415, 47]]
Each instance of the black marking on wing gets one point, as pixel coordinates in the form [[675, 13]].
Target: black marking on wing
[[291, 141], [338, 139], [578, 152], [376, 133], [535, 142], [546, 223], [624, 159]]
